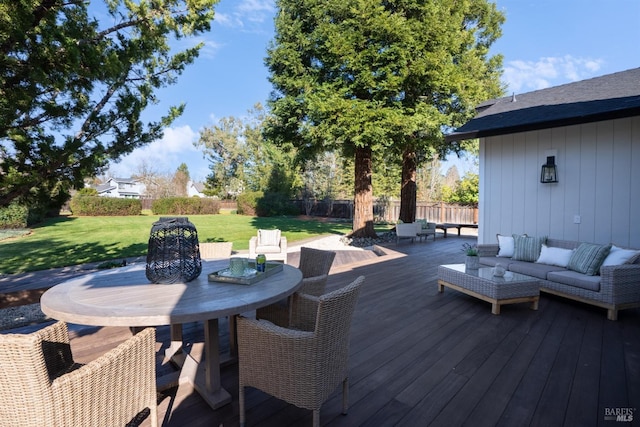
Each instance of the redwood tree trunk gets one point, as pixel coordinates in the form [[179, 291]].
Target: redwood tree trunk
[[363, 198], [408, 190]]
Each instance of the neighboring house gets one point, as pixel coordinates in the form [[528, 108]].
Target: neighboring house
[[121, 187], [592, 128], [195, 189]]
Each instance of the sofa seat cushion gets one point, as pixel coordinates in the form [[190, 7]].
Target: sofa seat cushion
[[573, 278], [267, 249], [532, 269]]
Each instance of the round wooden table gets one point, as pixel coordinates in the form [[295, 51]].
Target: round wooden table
[[124, 297]]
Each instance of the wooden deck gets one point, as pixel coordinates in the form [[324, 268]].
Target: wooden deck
[[421, 358]]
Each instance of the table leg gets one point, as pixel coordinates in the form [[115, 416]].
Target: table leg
[[173, 353], [495, 307], [534, 303], [212, 355], [204, 375], [176, 341]]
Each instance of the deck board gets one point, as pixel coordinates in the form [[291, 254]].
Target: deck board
[[419, 357]]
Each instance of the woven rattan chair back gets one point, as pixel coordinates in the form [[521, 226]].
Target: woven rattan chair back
[[29, 364], [333, 324], [315, 265], [42, 386], [302, 368], [315, 262]]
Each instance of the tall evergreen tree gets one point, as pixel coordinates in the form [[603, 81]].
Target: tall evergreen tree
[[73, 86], [371, 76], [181, 180]]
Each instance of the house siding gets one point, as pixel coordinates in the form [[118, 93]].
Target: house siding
[[122, 188], [599, 180]]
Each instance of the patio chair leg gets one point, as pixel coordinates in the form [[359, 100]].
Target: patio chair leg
[[316, 418], [241, 402], [345, 396], [153, 414]]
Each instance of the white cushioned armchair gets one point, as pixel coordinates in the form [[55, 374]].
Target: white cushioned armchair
[[271, 243]]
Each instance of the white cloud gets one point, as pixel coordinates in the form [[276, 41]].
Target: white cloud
[[164, 155], [525, 76], [231, 20], [210, 48], [256, 7], [178, 139], [254, 12]]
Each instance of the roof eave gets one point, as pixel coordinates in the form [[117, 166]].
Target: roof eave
[[547, 124]]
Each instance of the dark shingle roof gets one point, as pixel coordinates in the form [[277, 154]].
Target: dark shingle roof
[[601, 98], [199, 186]]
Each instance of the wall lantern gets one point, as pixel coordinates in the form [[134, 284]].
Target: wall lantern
[[549, 172]]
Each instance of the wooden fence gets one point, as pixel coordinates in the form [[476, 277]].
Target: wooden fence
[[389, 211], [438, 212]]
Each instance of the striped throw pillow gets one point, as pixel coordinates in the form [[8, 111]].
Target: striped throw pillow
[[588, 258], [527, 248]]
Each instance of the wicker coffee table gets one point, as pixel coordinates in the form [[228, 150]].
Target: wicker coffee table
[[481, 283]]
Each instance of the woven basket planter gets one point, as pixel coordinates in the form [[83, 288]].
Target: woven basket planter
[[173, 254], [472, 262]]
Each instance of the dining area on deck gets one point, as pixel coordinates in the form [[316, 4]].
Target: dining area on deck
[[416, 356]]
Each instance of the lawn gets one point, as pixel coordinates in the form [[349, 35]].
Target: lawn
[[69, 240]]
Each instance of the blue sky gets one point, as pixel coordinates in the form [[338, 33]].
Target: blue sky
[[544, 43]]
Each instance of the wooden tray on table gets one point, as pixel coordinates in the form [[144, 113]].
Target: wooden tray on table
[[250, 277]]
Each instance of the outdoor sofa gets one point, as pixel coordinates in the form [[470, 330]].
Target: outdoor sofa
[[602, 275]]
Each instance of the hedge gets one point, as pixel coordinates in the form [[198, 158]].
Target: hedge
[[248, 201], [185, 206], [275, 204], [14, 216], [82, 205]]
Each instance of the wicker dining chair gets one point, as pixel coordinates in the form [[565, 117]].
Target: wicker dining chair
[[43, 386], [315, 265], [302, 367]]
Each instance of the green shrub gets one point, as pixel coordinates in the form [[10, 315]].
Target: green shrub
[[14, 216], [248, 201], [38, 213], [88, 191], [185, 206], [82, 205], [274, 204]]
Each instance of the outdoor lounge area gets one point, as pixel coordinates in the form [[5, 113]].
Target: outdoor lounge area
[[420, 357]]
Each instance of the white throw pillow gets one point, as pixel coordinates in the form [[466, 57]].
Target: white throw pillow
[[554, 256], [619, 256], [506, 246], [268, 237]]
